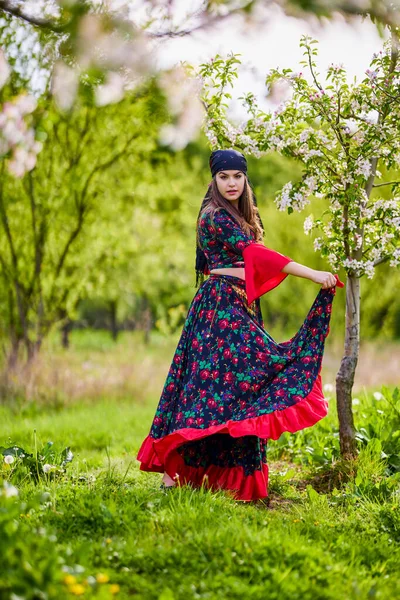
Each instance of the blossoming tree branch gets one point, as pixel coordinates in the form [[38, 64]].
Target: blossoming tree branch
[[345, 136], [107, 45]]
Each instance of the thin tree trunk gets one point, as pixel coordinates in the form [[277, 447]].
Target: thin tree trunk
[[66, 328], [32, 349], [65, 331], [114, 322], [146, 320], [12, 356], [345, 375]]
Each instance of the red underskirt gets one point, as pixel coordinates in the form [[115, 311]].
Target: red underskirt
[[160, 455]]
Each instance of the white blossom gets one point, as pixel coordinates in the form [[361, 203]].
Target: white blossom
[[111, 91], [311, 183], [332, 259], [184, 103], [363, 167], [308, 224], [317, 244], [283, 200], [304, 135], [359, 240], [311, 153], [4, 69], [64, 85], [395, 260], [9, 490]]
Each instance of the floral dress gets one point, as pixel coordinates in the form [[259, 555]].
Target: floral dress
[[231, 386]]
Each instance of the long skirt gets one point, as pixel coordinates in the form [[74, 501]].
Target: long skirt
[[231, 387]]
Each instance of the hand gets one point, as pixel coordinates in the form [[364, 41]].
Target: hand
[[325, 278]]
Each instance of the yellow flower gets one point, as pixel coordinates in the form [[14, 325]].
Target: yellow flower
[[77, 589], [69, 579], [114, 588], [102, 578], [108, 541]]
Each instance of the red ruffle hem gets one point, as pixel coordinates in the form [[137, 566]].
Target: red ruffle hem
[[159, 455]]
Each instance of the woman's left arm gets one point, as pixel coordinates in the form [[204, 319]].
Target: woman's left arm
[[325, 278]]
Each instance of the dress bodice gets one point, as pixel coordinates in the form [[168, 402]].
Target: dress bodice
[[223, 240], [225, 244]]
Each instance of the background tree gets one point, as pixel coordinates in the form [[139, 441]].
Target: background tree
[[59, 222], [345, 136]]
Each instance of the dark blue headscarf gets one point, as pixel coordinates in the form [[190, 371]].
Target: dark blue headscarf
[[221, 160], [227, 159]]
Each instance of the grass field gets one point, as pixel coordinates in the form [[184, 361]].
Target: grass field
[[104, 529]]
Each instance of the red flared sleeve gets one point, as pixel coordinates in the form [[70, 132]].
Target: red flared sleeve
[[263, 269]]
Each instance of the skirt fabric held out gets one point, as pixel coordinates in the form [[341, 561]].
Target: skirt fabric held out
[[231, 387]]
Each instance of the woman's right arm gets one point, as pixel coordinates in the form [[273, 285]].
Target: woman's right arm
[[325, 278]]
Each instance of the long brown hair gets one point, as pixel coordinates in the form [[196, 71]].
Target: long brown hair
[[246, 215]]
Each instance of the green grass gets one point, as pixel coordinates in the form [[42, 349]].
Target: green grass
[[326, 533]]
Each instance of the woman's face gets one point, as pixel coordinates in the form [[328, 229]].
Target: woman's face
[[230, 181]]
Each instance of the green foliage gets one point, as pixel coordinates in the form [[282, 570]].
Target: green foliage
[[45, 464], [31, 565], [377, 419]]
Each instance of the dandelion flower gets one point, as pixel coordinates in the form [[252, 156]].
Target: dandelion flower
[[9, 490], [114, 588], [77, 589]]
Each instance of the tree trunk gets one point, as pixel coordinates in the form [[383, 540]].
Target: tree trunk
[[146, 320], [65, 331], [113, 317], [12, 357], [32, 349], [345, 375]]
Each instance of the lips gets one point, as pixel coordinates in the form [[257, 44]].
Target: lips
[[234, 192]]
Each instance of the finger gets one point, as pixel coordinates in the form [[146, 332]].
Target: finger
[[329, 282]]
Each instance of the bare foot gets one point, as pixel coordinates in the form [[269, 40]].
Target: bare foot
[[168, 481]]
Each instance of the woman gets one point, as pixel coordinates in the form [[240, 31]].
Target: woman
[[230, 386]]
